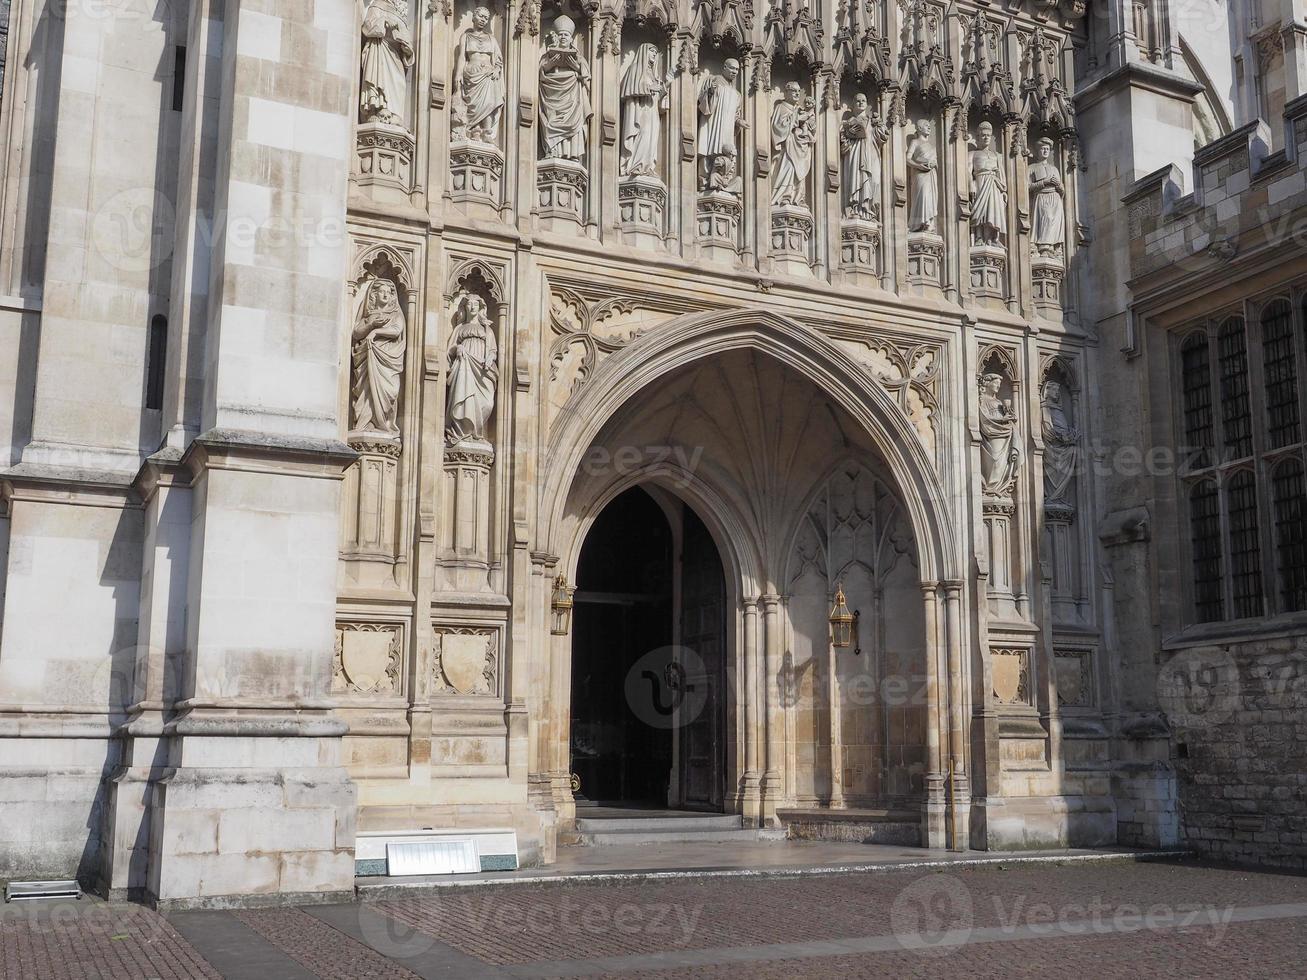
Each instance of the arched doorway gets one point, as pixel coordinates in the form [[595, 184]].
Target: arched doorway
[[648, 658]]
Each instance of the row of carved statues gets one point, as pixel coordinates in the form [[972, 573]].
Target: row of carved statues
[[565, 112]]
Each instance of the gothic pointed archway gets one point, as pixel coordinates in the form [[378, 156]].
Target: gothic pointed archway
[[743, 416]]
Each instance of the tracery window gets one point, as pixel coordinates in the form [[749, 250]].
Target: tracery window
[[1245, 462]]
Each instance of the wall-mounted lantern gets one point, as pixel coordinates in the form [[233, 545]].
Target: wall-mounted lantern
[[561, 606], [842, 622]]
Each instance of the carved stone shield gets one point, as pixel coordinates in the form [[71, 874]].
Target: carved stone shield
[[1007, 676], [1070, 675], [365, 655], [463, 659]]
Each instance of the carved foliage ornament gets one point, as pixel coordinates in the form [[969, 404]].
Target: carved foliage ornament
[[910, 373]]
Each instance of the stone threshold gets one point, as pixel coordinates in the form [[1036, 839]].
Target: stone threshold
[[379, 890]]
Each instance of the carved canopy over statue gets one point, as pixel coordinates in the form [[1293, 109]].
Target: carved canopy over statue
[[377, 358], [1061, 444], [473, 373], [988, 190], [999, 455], [923, 162], [564, 95], [861, 139], [792, 137], [479, 80], [720, 115], [1047, 201], [387, 57]]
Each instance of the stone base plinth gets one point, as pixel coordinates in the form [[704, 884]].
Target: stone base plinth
[[925, 258], [718, 218], [475, 171], [988, 271], [562, 187], [860, 245], [854, 826], [371, 491], [465, 541], [385, 155], [641, 205], [1046, 275], [791, 231]]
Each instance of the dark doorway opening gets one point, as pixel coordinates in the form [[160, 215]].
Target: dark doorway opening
[[648, 658]]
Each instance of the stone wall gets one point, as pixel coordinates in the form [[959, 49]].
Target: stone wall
[[1238, 733]]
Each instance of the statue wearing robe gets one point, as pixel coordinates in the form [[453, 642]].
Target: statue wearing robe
[[377, 359], [387, 57], [999, 455], [473, 373], [1047, 204], [719, 117], [791, 143], [988, 191], [479, 79], [564, 95], [1061, 444], [923, 163], [861, 138], [644, 95]]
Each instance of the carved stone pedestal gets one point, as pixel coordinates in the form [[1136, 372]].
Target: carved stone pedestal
[[475, 171], [465, 522], [562, 186], [860, 246], [1046, 275], [641, 204], [371, 489], [1058, 519], [988, 271], [925, 258], [791, 230], [998, 513], [719, 220], [385, 155]]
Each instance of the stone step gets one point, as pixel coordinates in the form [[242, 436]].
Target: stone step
[[669, 823], [628, 838]]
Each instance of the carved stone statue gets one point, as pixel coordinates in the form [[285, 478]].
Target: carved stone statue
[[988, 190], [923, 163], [1047, 203], [564, 95], [1061, 443], [479, 80], [720, 115], [999, 455], [473, 373], [644, 99], [792, 137], [387, 57], [861, 139], [377, 359]]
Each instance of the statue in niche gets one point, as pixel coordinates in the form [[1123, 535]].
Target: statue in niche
[[479, 81], [861, 137], [792, 137], [473, 373], [387, 57], [1061, 443], [988, 190], [1047, 195], [923, 162], [377, 359], [564, 95], [999, 455], [644, 99], [720, 115]]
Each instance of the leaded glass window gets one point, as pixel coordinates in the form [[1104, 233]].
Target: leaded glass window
[[1281, 374], [1289, 495], [1205, 529], [1236, 416]]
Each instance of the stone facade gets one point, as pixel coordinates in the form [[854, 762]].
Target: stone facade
[[328, 347]]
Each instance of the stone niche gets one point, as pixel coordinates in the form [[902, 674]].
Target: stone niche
[[477, 105]]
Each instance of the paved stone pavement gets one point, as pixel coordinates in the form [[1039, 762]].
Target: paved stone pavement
[[1099, 919]]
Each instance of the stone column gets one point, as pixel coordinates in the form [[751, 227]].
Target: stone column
[[933, 812], [773, 784], [254, 799], [753, 720], [959, 811], [836, 730]]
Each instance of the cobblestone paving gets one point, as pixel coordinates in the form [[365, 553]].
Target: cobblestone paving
[[319, 948], [1078, 920], [82, 941]]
